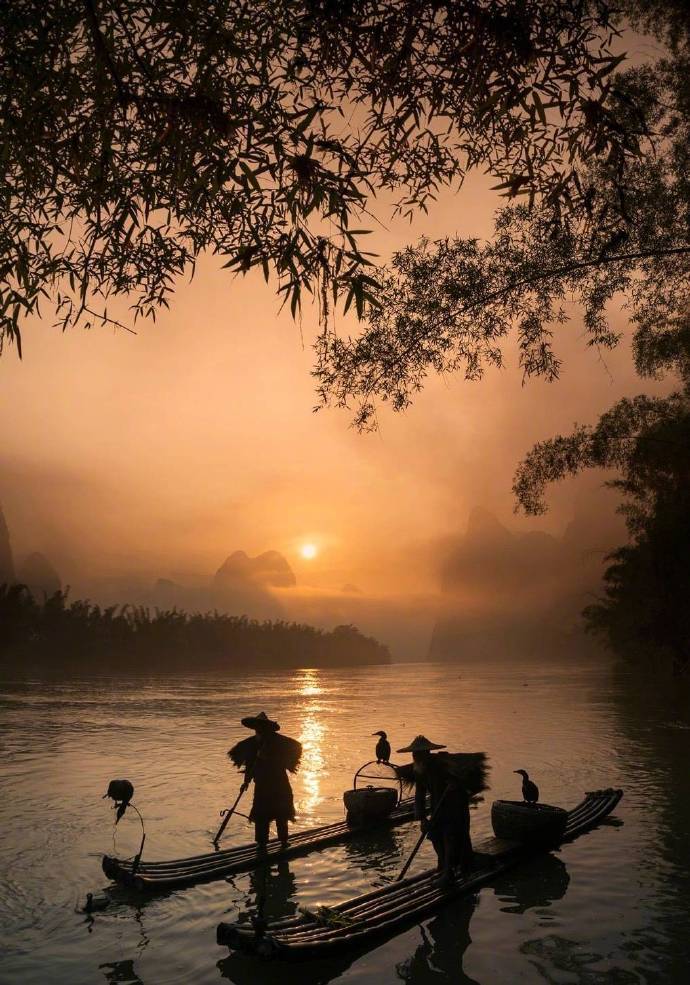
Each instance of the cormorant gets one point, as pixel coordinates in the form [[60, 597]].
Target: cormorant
[[530, 791], [383, 748]]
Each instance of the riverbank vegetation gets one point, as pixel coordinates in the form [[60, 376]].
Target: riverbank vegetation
[[56, 635], [643, 614]]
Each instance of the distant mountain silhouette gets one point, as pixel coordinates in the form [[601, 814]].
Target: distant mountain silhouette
[[39, 575], [511, 593], [270, 570], [242, 585], [6, 560]]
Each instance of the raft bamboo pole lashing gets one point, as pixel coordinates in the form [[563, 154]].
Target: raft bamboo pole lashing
[[364, 901], [249, 849], [370, 915], [394, 888], [399, 815], [231, 852], [237, 862], [313, 930], [250, 857], [403, 887], [158, 876], [313, 935], [166, 875], [388, 908], [382, 911]]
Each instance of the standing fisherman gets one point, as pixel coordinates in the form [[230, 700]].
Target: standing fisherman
[[450, 780], [267, 757]]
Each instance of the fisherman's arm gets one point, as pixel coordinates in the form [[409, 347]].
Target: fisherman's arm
[[248, 772]]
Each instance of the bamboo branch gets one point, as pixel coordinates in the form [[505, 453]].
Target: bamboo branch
[[556, 272]]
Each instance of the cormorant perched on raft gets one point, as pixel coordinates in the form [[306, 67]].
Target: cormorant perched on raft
[[530, 791], [383, 748]]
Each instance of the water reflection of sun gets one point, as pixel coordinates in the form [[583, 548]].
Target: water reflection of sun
[[311, 737], [308, 684]]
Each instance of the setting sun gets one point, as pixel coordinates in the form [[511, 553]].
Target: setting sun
[[308, 551]]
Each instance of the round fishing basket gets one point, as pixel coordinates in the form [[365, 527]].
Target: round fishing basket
[[376, 791], [515, 820]]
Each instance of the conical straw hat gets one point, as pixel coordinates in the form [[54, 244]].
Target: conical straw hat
[[420, 743]]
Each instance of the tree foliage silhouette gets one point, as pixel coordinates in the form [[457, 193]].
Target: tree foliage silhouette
[[138, 135], [55, 634], [644, 612], [453, 305]]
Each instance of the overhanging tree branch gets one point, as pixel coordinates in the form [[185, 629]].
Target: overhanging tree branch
[[570, 268]]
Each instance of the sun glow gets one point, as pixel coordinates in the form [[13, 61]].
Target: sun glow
[[308, 688], [308, 551]]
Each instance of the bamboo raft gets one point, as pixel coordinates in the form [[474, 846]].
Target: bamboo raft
[[383, 912], [177, 873]]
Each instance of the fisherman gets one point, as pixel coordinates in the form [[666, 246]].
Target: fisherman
[[267, 758], [450, 780]]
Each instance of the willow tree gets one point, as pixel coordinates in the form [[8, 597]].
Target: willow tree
[[139, 134]]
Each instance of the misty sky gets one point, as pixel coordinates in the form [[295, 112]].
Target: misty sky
[[162, 452]]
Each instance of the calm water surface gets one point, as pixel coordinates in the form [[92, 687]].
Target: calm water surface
[[612, 907]]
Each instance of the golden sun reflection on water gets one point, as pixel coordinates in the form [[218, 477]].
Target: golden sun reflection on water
[[311, 737], [309, 690]]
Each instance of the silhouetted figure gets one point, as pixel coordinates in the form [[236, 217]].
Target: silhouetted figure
[[530, 791], [437, 960], [450, 780], [272, 895], [267, 758], [120, 971], [383, 748]]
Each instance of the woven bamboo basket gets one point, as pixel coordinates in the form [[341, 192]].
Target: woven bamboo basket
[[515, 820], [369, 803]]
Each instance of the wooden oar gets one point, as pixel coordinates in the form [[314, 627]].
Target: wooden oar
[[228, 815], [421, 838]]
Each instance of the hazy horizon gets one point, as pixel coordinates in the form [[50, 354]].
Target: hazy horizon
[[136, 457]]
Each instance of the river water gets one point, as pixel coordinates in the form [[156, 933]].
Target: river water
[[611, 907]]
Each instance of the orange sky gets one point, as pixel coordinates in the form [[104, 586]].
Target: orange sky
[[158, 454], [163, 452]]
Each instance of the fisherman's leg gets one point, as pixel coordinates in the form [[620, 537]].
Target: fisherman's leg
[[450, 855], [261, 830], [437, 840], [282, 829], [467, 859]]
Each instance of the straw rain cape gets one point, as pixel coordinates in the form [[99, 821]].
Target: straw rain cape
[[287, 751], [469, 769], [267, 763]]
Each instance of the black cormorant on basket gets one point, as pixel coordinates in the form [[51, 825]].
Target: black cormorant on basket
[[383, 748], [530, 791]]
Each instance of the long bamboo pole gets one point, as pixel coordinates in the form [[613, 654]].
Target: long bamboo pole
[[228, 815], [421, 838]]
